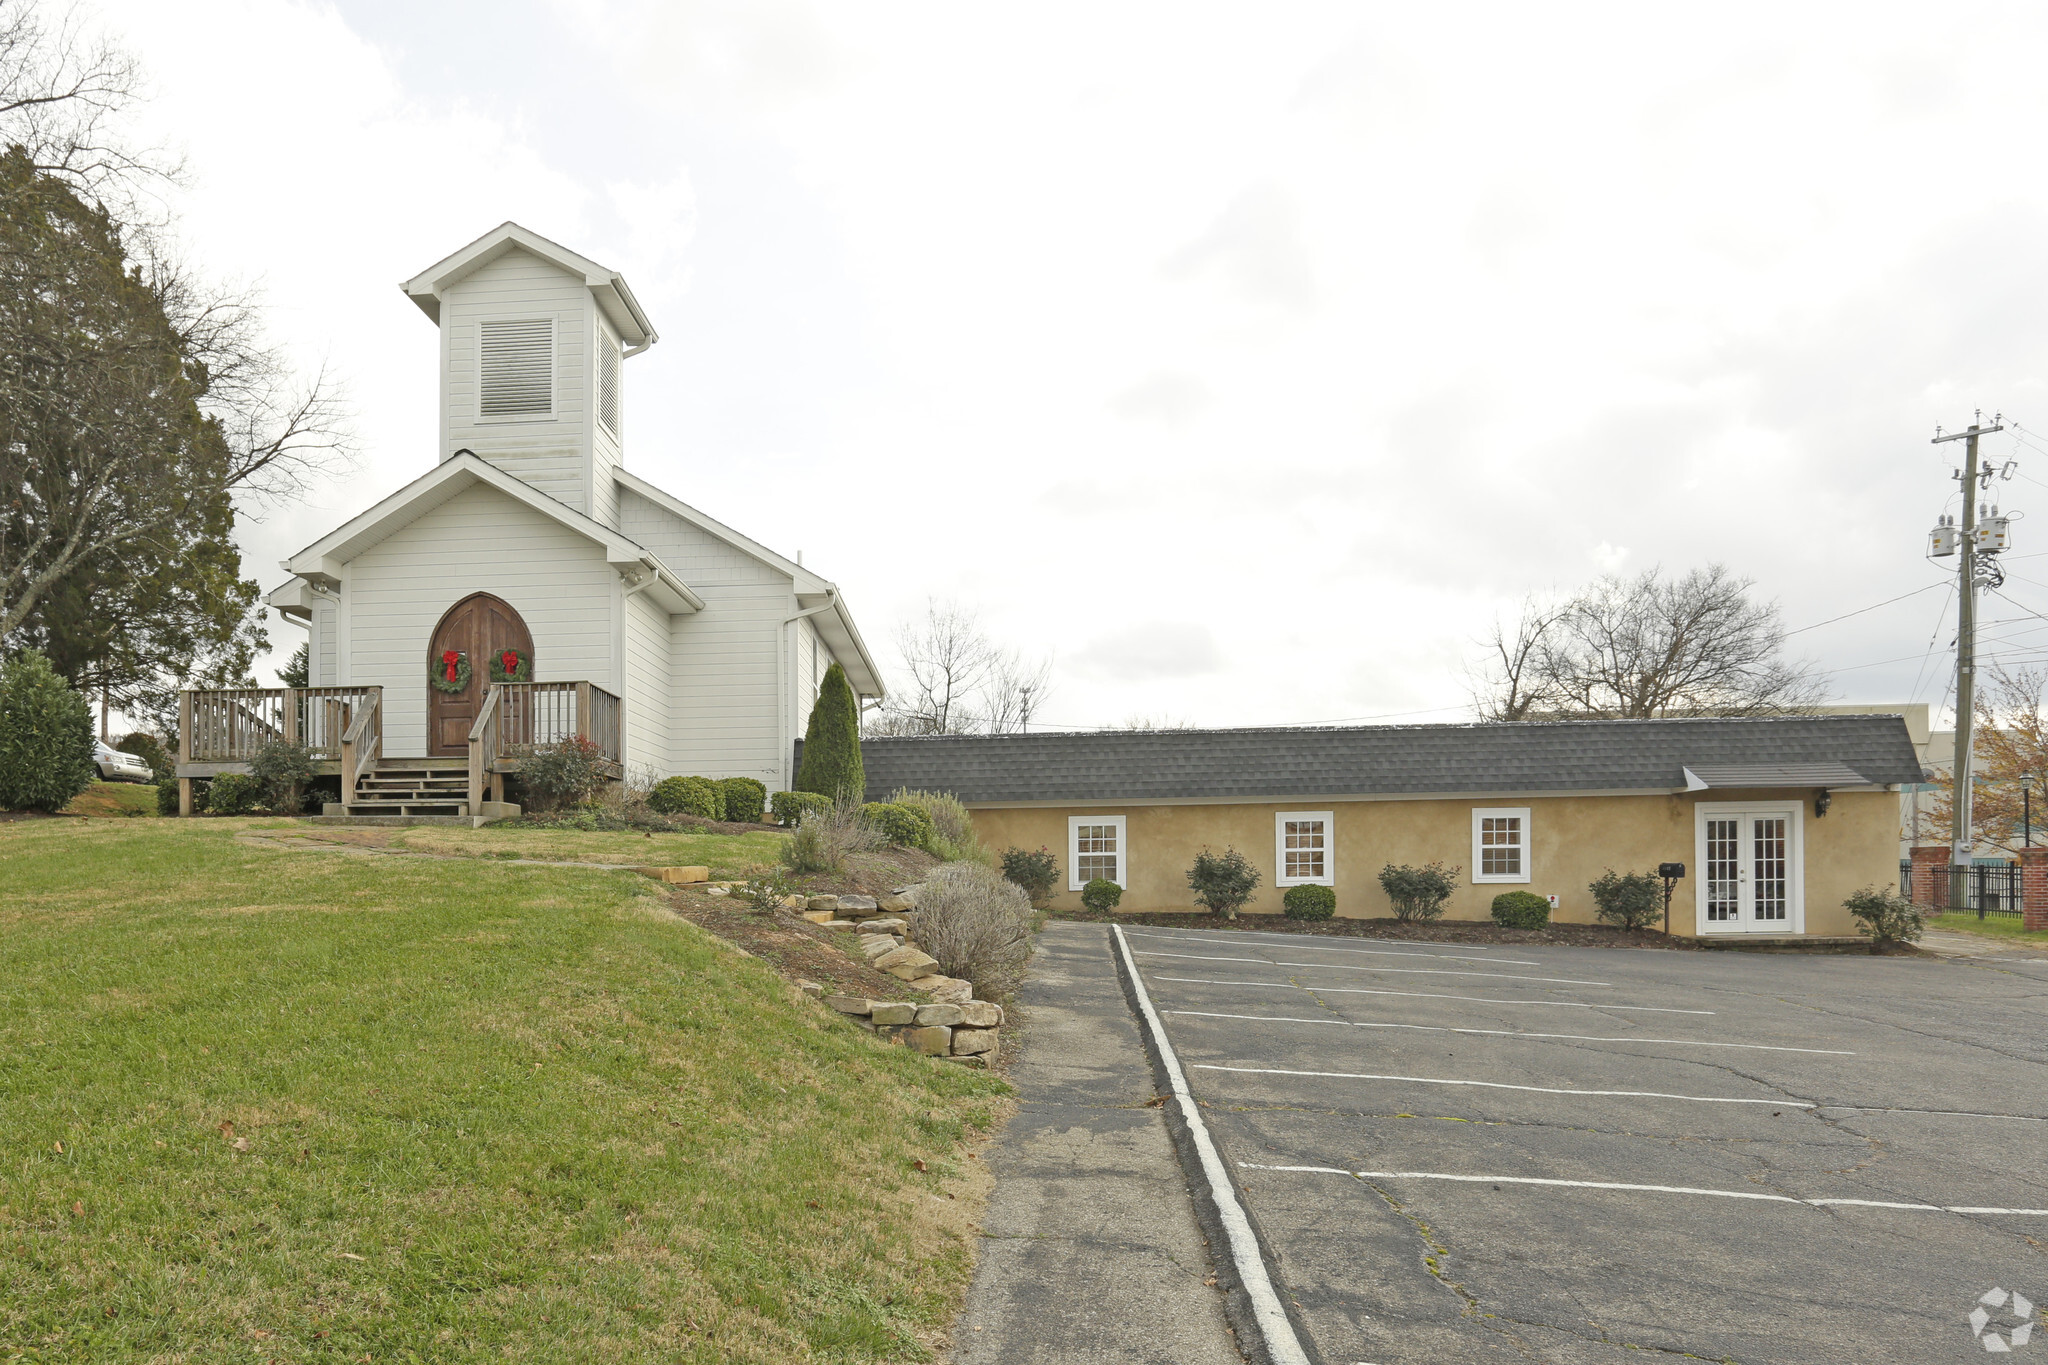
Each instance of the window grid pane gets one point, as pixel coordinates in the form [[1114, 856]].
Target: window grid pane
[[1095, 852], [1500, 846], [1303, 840]]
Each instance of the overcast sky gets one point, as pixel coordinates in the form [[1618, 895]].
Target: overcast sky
[[1249, 359]]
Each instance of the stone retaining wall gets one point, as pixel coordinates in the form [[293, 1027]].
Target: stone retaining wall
[[952, 1025]]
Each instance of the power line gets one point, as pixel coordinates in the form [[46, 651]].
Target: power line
[[1942, 583]]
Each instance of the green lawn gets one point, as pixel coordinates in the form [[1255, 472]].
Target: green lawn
[[727, 855], [1991, 926], [277, 1106]]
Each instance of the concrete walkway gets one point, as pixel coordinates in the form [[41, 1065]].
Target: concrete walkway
[[1091, 1250]]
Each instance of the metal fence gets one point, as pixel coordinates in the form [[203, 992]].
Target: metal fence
[[1987, 888]]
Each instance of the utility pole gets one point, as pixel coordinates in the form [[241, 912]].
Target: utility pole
[[1964, 843]]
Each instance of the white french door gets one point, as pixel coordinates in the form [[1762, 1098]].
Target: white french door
[[1750, 867]]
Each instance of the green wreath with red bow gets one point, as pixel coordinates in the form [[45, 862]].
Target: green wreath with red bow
[[511, 666], [449, 673]]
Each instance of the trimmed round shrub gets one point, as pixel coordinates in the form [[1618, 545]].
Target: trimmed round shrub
[[687, 796], [1309, 902], [1520, 910], [45, 737], [1101, 895], [789, 808], [900, 825], [233, 794], [742, 799]]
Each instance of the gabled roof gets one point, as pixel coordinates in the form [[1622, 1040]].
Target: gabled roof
[[608, 286], [841, 636], [323, 559], [1397, 760]]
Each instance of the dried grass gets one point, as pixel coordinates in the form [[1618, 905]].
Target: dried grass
[[977, 925]]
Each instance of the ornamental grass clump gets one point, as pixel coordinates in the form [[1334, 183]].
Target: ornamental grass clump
[[977, 925], [1310, 903], [953, 836], [1419, 893], [1633, 900], [826, 838], [1521, 910], [1885, 916], [1223, 882], [1037, 873]]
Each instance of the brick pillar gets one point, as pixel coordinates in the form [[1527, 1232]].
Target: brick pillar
[[2034, 888], [1929, 864]]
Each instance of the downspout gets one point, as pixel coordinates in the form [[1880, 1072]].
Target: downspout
[[789, 676]]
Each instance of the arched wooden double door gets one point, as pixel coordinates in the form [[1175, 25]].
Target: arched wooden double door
[[479, 628]]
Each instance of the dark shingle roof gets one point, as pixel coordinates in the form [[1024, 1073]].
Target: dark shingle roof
[[1280, 764]]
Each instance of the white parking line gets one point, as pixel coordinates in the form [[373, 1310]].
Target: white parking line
[[1319, 948], [1281, 937], [1644, 1189], [1425, 995], [1500, 1085], [1515, 1033], [1341, 967]]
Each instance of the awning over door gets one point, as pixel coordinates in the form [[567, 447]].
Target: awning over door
[[1754, 775]]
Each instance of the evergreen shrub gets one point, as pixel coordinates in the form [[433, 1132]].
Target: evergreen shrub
[[904, 826], [1038, 873], [233, 794], [1309, 902], [1885, 915], [1521, 910], [1101, 895], [284, 769], [150, 750], [1633, 900], [788, 808], [45, 737], [1418, 893], [1222, 882], [167, 796], [953, 828], [569, 773], [742, 799], [687, 796], [832, 765]]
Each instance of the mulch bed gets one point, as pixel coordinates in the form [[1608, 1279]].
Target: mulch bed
[[1442, 931], [796, 948]]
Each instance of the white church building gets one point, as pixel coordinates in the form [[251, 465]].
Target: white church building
[[530, 587]]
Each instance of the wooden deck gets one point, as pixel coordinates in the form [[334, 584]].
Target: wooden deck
[[221, 729]]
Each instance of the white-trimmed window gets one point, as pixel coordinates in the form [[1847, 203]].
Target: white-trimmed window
[[1096, 847], [516, 369], [1500, 844], [1302, 852]]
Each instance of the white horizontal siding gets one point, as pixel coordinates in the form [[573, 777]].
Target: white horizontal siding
[[812, 658], [647, 689], [477, 541], [725, 709], [552, 453], [325, 670], [698, 557]]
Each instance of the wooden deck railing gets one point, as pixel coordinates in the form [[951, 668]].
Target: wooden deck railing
[[483, 745], [228, 725], [548, 713], [362, 744]]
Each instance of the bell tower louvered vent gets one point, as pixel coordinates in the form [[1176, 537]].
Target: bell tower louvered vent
[[518, 371], [607, 382]]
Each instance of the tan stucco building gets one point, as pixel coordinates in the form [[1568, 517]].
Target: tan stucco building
[[1775, 819]]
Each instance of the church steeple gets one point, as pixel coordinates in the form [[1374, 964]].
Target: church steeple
[[532, 336]]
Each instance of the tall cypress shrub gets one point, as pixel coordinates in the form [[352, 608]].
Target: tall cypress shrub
[[832, 765], [45, 737]]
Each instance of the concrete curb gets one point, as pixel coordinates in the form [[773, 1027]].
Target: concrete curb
[[1253, 1303]]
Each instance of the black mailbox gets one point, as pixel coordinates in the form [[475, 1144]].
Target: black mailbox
[[1671, 872]]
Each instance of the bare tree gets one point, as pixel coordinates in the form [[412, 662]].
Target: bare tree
[[1635, 648], [1507, 684], [958, 680]]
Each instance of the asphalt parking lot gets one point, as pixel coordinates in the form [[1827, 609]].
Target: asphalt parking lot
[[1556, 1154]]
